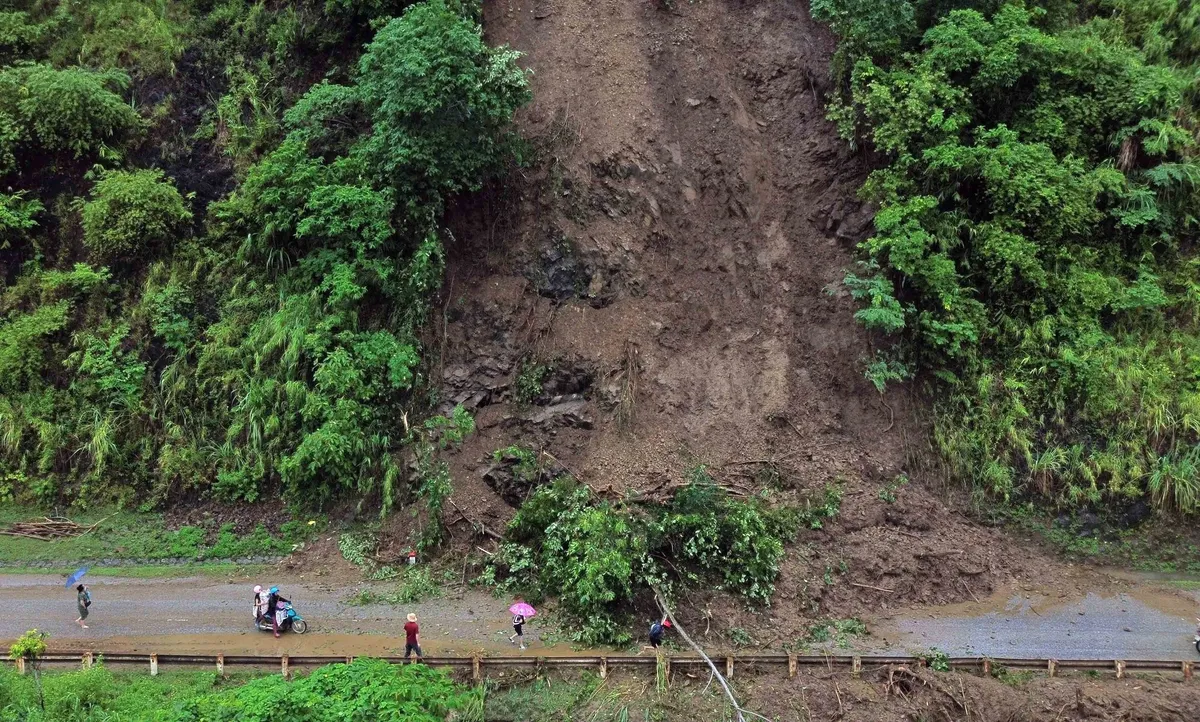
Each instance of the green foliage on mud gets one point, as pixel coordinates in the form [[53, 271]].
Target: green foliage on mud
[[230, 306], [597, 557], [1034, 245]]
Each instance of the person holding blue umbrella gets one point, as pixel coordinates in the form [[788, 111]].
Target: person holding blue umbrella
[[83, 600]]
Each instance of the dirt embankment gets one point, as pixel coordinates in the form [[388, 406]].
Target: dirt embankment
[[672, 259], [903, 695]]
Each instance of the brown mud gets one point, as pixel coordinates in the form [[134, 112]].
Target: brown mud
[[901, 694], [672, 259]]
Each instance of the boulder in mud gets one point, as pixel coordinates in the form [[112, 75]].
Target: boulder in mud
[[516, 471]]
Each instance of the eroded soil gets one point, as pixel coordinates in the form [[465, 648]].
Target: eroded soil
[[669, 264]]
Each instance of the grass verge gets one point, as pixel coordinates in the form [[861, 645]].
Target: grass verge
[[145, 540], [155, 571]]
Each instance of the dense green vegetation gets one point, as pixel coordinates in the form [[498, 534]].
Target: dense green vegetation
[[599, 557], [219, 232], [413, 693], [144, 538], [365, 689], [1034, 245]]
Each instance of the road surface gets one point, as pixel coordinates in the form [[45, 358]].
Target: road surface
[[1144, 622], [207, 615], [1141, 620]]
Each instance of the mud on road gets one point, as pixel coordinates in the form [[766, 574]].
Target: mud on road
[[203, 615], [1117, 619]]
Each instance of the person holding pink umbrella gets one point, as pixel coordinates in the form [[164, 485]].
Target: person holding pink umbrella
[[520, 611]]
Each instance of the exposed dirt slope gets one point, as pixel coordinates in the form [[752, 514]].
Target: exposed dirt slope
[[673, 256]]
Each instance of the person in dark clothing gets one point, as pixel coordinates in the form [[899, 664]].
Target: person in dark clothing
[[83, 600], [273, 600], [657, 630], [412, 638], [518, 630]]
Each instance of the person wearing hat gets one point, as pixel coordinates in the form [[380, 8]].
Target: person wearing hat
[[412, 638], [657, 629], [260, 602]]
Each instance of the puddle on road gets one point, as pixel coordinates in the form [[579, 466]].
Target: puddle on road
[[1142, 621]]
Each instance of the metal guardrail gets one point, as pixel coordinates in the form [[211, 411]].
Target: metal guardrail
[[603, 663]]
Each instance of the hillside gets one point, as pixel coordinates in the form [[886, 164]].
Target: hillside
[[604, 299], [673, 264]]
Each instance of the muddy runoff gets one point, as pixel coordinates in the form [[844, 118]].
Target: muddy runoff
[[1140, 618], [211, 616]]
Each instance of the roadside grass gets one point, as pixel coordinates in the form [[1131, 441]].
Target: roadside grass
[[1185, 584], [155, 571], [1158, 545], [143, 539], [102, 693], [617, 699]]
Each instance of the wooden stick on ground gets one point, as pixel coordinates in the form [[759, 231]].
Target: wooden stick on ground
[[878, 589]]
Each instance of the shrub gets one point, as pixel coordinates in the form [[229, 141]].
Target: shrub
[[448, 130], [17, 217], [364, 689], [71, 111], [132, 212], [596, 557]]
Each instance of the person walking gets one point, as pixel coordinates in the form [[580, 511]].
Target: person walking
[[657, 630], [412, 638], [83, 600], [518, 627]]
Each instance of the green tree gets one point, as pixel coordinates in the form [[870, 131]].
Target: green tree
[[132, 212], [440, 101]]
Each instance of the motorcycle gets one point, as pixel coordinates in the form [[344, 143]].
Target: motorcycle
[[292, 621]]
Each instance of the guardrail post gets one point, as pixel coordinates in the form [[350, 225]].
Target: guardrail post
[[476, 674], [283, 666], [856, 666], [1120, 668], [729, 667], [604, 668], [87, 660], [1051, 667], [1187, 670], [791, 666], [154, 665], [20, 665], [221, 664], [987, 667]]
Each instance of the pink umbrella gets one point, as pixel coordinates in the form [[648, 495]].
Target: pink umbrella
[[522, 609]]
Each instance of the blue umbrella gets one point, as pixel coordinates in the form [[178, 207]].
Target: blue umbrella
[[76, 576]]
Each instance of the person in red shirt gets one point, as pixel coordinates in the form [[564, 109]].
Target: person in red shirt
[[412, 641]]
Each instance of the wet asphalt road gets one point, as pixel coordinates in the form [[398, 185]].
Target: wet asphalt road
[[207, 615], [202, 613], [1144, 624]]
